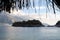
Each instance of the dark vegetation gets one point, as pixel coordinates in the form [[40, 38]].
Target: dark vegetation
[[58, 24], [29, 23], [57, 2], [6, 5], [33, 23]]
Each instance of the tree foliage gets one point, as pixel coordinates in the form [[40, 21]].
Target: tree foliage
[[6, 5]]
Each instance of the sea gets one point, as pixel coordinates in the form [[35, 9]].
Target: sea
[[8, 32]]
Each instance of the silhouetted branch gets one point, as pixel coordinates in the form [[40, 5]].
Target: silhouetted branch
[[8, 4]]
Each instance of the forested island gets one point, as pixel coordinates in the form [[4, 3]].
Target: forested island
[[58, 24], [33, 23], [29, 23]]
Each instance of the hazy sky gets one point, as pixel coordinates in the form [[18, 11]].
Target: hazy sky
[[39, 14]]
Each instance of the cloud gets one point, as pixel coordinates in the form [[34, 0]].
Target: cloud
[[51, 19], [5, 18]]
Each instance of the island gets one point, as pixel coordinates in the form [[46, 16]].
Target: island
[[58, 24], [29, 23]]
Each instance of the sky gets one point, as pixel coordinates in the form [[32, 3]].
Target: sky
[[42, 13]]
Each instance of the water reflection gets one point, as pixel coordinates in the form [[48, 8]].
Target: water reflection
[[34, 33]]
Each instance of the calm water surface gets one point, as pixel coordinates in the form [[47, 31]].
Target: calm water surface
[[29, 33]]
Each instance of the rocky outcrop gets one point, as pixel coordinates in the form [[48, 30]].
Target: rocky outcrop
[[29, 23]]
